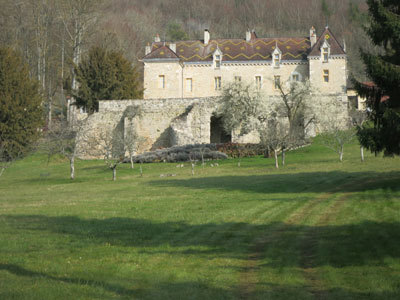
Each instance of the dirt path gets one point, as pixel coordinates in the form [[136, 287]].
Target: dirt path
[[248, 276], [309, 243]]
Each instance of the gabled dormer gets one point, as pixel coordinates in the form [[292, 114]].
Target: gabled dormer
[[217, 58], [276, 57], [327, 40], [325, 51]]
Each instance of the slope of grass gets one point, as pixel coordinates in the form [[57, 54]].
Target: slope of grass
[[316, 228]]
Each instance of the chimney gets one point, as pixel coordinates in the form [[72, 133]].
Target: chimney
[[172, 46], [147, 49], [248, 35], [206, 36], [344, 45], [157, 38], [313, 36]]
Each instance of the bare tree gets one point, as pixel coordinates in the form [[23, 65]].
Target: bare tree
[[192, 159], [79, 18], [110, 145], [358, 118], [272, 136], [63, 140], [132, 140], [334, 127]]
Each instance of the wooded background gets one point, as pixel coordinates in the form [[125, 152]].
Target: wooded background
[[53, 35]]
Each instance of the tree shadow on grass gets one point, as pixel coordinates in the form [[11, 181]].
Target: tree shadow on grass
[[198, 290], [345, 245], [173, 290], [315, 182]]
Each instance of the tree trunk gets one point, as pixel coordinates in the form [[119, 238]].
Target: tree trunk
[[276, 159], [341, 154], [72, 167], [114, 169], [50, 113], [362, 153], [1, 171], [132, 166], [141, 170], [283, 156], [192, 169]]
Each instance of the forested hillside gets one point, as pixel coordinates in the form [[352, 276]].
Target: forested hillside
[[53, 35]]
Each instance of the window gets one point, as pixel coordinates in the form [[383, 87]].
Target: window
[[277, 82], [325, 54], [258, 82], [217, 83], [326, 75], [161, 81], [189, 85], [295, 77], [276, 60], [238, 78], [217, 61]]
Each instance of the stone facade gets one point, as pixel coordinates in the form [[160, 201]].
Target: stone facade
[[192, 69]]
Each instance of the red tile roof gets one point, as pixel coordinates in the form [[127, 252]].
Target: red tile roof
[[241, 50], [237, 49], [335, 47], [161, 52]]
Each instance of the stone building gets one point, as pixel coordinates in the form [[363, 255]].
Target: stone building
[[191, 69], [183, 79]]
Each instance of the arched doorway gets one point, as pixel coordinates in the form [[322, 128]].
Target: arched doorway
[[217, 132]]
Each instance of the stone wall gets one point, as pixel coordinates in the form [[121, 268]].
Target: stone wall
[[169, 122], [164, 123]]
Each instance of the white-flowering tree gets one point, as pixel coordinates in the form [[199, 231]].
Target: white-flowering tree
[[280, 120], [272, 136], [294, 105]]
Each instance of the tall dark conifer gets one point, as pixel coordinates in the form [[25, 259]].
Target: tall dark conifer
[[105, 75], [383, 94], [21, 113]]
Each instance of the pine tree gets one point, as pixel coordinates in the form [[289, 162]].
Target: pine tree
[[21, 113], [383, 69], [105, 75]]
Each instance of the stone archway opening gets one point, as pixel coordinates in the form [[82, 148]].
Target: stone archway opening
[[217, 132]]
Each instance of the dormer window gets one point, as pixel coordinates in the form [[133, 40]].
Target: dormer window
[[217, 61], [325, 51], [217, 58], [276, 60], [276, 57], [325, 54]]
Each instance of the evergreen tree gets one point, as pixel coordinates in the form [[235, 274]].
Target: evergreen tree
[[21, 114], [383, 69], [105, 75], [175, 32]]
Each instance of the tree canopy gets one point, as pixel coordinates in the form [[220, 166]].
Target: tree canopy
[[21, 114], [383, 95], [105, 75]]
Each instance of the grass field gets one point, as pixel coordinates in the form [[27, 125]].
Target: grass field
[[315, 229]]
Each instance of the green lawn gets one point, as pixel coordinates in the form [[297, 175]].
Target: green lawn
[[315, 229]]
